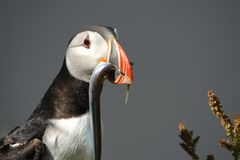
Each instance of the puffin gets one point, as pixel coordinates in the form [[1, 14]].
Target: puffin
[[66, 124]]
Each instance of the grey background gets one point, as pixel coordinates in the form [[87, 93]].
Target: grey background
[[181, 49]]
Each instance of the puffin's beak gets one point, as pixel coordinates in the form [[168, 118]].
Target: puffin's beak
[[118, 57]]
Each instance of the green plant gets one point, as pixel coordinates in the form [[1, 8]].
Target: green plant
[[189, 143], [230, 143]]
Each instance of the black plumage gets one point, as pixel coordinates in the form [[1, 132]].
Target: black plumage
[[66, 97]]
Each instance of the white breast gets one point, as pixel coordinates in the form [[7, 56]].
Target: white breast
[[68, 139]]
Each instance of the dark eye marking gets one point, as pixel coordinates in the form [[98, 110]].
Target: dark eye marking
[[87, 42]]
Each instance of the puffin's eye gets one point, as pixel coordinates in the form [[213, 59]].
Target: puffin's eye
[[86, 42]]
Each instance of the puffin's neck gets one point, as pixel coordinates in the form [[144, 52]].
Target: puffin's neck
[[67, 97]]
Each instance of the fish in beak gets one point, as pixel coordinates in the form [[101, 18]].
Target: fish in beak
[[118, 70], [117, 57]]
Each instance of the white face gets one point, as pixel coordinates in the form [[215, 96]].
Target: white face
[[84, 53]]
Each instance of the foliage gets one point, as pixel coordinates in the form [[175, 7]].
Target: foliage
[[232, 141]]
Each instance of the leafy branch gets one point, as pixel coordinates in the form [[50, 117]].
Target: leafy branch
[[232, 141], [189, 143]]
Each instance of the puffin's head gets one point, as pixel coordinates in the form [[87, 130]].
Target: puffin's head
[[95, 44]]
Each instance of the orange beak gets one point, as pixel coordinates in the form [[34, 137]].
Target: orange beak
[[119, 59]]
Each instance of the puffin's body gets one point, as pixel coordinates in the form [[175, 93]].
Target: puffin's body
[[62, 119], [67, 134]]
